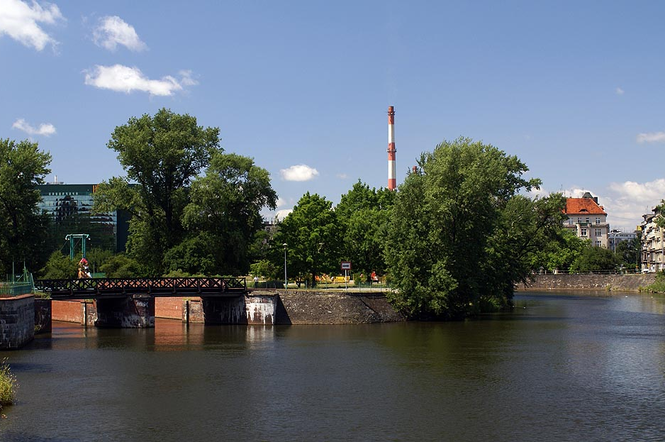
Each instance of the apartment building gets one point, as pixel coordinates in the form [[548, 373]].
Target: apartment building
[[587, 220], [653, 243]]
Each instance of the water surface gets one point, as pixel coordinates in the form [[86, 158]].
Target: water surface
[[560, 367]]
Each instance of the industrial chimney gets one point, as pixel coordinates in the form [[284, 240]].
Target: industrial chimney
[[392, 181]]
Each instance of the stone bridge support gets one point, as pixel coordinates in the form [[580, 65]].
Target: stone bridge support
[[134, 311], [248, 309]]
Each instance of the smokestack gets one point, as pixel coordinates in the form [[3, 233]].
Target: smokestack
[[392, 180]]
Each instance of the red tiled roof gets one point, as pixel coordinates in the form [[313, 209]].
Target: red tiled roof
[[583, 206]]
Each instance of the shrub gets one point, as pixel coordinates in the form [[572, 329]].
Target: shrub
[[7, 385]]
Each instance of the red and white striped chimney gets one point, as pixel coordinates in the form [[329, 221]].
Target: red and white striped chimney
[[392, 180]]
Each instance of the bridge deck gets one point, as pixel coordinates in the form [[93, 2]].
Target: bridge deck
[[63, 289]]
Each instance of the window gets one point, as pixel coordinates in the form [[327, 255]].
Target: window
[[597, 220], [598, 244], [587, 220], [579, 220], [582, 232], [599, 232]]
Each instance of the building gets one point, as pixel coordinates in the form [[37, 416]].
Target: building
[[617, 236], [70, 209], [653, 243], [587, 220]]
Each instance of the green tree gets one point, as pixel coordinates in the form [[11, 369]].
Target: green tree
[[24, 228], [162, 155], [628, 253], [59, 266], [313, 237], [595, 259], [558, 254], [224, 215], [364, 214], [460, 237]]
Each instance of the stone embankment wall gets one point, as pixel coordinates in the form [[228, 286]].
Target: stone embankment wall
[[17, 321], [326, 307], [619, 283]]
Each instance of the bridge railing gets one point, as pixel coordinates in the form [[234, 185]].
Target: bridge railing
[[142, 285]]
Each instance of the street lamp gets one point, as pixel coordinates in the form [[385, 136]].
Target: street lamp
[[286, 280]]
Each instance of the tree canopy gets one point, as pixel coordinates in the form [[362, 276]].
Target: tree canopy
[[313, 238], [24, 228], [194, 209], [460, 233]]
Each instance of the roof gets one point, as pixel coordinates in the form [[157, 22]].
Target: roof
[[583, 206]]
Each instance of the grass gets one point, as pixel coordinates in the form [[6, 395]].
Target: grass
[[8, 385]]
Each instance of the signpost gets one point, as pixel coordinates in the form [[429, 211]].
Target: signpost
[[346, 266]]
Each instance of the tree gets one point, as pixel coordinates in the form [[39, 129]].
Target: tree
[[224, 214], [628, 252], [460, 235], [313, 238], [594, 259], [560, 253], [24, 228], [162, 155], [364, 214]]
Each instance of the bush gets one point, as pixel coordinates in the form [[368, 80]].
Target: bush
[[7, 385]]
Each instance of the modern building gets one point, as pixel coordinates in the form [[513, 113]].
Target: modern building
[[617, 236], [587, 220], [70, 208], [653, 243]]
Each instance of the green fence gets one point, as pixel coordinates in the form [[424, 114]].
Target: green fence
[[15, 288]]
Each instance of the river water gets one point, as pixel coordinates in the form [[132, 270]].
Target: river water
[[561, 367]]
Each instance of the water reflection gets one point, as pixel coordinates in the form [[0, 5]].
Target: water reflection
[[560, 367]]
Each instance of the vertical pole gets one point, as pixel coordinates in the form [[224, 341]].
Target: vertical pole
[[286, 280], [71, 247], [392, 170], [83, 240]]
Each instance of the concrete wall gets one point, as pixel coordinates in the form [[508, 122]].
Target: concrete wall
[[42, 315], [17, 321], [628, 282], [326, 307]]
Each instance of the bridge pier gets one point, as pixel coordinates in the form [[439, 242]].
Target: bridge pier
[[239, 310], [134, 311]]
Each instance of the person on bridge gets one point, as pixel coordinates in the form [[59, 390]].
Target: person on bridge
[[84, 270]]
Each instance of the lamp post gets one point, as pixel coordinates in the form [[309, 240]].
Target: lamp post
[[286, 280]]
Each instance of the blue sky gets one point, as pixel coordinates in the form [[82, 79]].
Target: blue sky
[[574, 89]]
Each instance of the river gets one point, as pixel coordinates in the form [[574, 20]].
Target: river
[[561, 367]]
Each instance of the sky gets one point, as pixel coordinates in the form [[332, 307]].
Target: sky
[[574, 89]]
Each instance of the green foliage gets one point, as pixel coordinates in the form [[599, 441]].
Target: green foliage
[[8, 384], [313, 237], [658, 285], [122, 266], [162, 154], [560, 253], [224, 212], [628, 253], [24, 232], [265, 269], [97, 257], [460, 236], [364, 214], [59, 266], [594, 259]]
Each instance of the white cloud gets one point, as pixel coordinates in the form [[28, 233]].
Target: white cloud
[[113, 31], [299, 172], [342, 176], [187, 79], [126, 79], [654, 137], [44, 129], [281, 214], [281, 202], [619, 91], [20, 21]]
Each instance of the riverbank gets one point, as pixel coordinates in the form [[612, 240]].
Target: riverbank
[[608, 283]]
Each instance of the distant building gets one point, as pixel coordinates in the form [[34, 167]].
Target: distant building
[[653, 243], [70, 208], [617, 236], [587, 220]]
